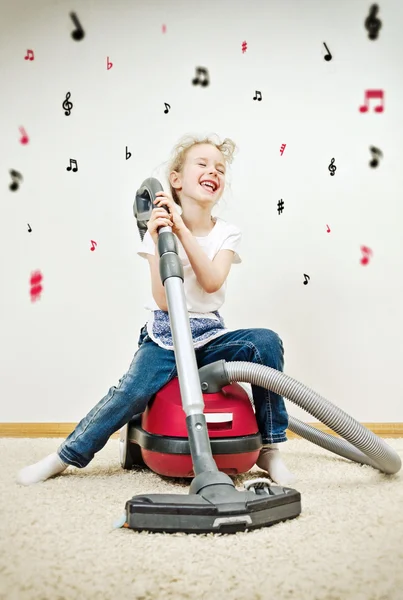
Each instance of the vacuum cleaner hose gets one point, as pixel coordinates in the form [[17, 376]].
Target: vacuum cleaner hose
[[364, 447]]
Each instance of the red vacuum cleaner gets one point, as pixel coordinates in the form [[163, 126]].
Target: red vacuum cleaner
[[162, 444], [202, 425]]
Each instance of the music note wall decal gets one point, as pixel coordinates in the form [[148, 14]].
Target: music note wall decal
[[373, 94], [67, 106], [78, 33], [15, 176], [332, 167], [30, 55], [368, 252], [36, 287], [327, 56], [204, 72], [24, 139], [374, 161], [75, 169], [372, 23], [259, 99]]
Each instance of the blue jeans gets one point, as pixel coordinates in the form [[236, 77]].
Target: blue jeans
[[153, 367]]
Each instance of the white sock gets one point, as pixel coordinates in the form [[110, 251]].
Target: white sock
[[270, 460], [42, 470]]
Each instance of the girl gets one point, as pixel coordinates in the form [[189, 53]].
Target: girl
[[207, 247]]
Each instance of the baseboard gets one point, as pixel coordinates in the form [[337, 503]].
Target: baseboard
[[62, 430]]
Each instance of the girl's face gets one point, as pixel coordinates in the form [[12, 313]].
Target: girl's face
[[204, 163]]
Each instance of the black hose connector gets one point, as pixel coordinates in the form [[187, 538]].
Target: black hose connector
[[170, 264]]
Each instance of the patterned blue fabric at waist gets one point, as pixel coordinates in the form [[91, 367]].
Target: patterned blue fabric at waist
[[203, 328]]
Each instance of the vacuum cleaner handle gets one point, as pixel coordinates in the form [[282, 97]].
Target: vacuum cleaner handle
[[144, 203]]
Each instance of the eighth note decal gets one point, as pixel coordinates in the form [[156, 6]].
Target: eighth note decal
[[327, 56], [374, 151], [202, 77], [75, 169], [15, 176], [373, 94]]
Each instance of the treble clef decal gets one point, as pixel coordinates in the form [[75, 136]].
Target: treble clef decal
[[67, 106], [332, 167], [372, 23]]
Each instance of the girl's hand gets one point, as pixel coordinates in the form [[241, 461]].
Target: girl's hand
[[164, 198]]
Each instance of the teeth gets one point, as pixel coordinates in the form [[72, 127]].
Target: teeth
[[209, 185]]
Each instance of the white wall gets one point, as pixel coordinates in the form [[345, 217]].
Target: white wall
[[343, 332]]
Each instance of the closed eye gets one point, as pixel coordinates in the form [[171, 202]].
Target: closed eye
[[222, 172]]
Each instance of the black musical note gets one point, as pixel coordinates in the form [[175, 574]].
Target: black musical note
[[166, 110], [327, 56], [67, 106], [307, 278], [372, 23], [201, 71], [259, 99], [75, 169], [78, 33], [374, 161], [15, 176], [29, 228], [332, 168]]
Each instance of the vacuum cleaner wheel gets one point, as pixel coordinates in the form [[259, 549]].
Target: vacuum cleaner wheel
[[129, 453]]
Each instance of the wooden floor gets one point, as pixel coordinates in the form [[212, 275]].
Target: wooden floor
[[62, 430]]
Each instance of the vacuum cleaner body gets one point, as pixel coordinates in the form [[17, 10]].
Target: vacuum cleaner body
[[162, 434]]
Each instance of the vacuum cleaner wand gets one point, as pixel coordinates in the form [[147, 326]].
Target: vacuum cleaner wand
[[213, 503]]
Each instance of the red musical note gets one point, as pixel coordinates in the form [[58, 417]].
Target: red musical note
[[30, 55], [93, 247], [365, 259], [328, 228], [24, 139], [108, 63], [372, 94]]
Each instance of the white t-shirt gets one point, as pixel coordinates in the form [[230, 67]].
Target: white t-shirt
[[223, 236]]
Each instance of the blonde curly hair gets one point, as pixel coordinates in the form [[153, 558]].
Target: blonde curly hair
[[177, 161]]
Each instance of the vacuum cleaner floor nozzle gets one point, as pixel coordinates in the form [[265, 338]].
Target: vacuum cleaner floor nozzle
[[194, 513]]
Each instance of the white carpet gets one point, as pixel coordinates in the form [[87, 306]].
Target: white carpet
[[57, 540]]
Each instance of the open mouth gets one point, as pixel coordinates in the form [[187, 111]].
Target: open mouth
[[210, 187]]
